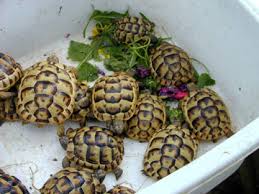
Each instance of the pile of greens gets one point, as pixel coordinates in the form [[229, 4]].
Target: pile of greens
[[115, 56]]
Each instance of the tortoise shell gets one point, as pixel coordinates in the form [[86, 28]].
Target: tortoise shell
[[72, 181], [8, 109], [94, 148], [10, 72], [171, 65], [47, 93], [82, 103], [149, 117], [114, 97], [119, 189], [11, 185], [130, 29], [206, 114], [168, 150]]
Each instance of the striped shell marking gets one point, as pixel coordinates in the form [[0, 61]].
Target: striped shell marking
[[114, 97], [207, 114], [168, 150], [149, 117], [72, 181], [119, 189], [171, 65], [82, 102], [94, 148], [10, 72], [11, 185], [130, 29], [46, 93], [8, 109]]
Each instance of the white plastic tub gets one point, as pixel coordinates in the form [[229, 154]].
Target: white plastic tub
[[222, 34]]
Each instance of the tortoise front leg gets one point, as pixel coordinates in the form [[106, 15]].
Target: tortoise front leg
[[62, 136]]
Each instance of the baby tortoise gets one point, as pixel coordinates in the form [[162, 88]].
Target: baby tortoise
[[114, 100], [47, 94], [93, 149], [168, 150], [171, 66], [11, 185], [132, 29], [206, 114], [119, 189], [72, 181], [149, 117], [10, 74]]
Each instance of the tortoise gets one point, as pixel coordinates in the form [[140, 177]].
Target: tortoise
[[10, 74], [114, 100], [168, 150], [8, 109], [207, 115], [72, 181], [119, 189], [47, 93], [93, 149], [82, 103], [149, 117], [11, 185], [130, 29], [171, 66]]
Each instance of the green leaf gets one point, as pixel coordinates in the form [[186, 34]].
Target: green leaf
[[205, 80], [104, 17], [174, 114], [150, 83], [87, 71], [77, 51]]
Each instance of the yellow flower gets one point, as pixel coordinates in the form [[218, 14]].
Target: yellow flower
[[95, 32], [101, 52]]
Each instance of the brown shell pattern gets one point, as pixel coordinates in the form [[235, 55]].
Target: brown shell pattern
[[72, 181], [8, 109], [94, 148], [10, 72], [168, 150], [114, 97], [121, 190], [207, 114], [149, 117], [130, 29], [171, 65], [82, 102], [46, 93], [11, 185]]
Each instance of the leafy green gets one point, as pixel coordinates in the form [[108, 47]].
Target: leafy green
[[104, 17], [146, 18], [205, 80], [87, 71], [174, 114], [77, 51], [150, 83]]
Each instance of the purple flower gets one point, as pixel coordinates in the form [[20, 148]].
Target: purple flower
[[101, 72], [173, 93], [142, 72]]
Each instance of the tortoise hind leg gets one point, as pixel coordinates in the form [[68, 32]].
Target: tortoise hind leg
[[116, 126], [61, 136], [65, 162], [118, 172], [100, 175]]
